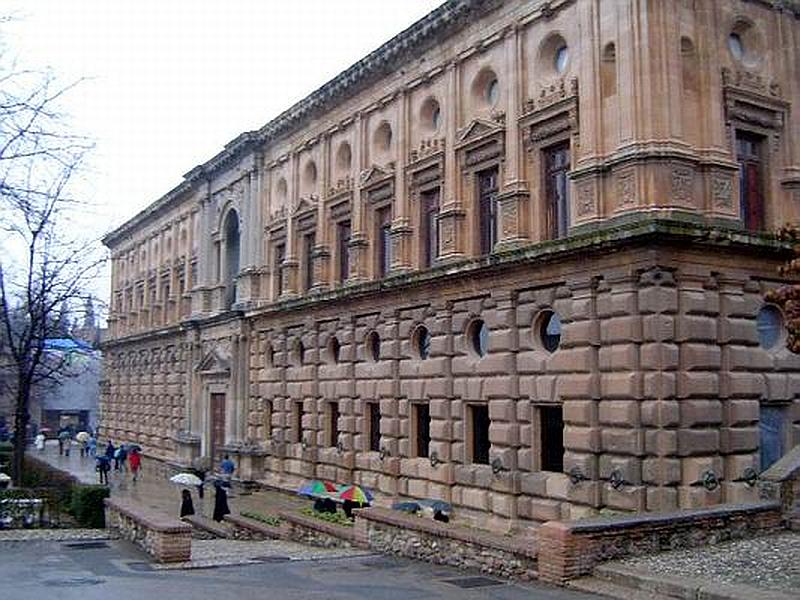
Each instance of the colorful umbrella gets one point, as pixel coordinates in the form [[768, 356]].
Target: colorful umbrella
[[318, 489], [355, 493]]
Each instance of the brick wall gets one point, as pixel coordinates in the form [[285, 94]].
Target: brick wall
[[163, 538]]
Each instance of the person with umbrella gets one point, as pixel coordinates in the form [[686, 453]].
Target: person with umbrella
[[65, 440], [83, 438], [103, 467], [187, 506], [220, 502]]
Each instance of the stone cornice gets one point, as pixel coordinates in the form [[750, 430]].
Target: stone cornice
[[430, 30]]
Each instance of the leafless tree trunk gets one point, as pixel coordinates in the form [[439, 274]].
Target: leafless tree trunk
[[47, 261]]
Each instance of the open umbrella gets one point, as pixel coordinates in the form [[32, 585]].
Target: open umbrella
[[318, 489], [83, 436], [355, 493], [186, 479], [4, 477]]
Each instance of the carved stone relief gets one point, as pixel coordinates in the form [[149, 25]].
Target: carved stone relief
[[586, 203], [447, 233], [681, 184], [721, 191], [626, 187]]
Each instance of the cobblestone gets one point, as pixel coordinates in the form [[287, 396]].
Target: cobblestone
[[217, 553], [55, 535], [769, 562]]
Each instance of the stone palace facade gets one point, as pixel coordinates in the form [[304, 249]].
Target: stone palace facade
[[515, 259]]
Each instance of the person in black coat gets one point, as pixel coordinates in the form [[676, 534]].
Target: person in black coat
[[187, 507], [220, 502]]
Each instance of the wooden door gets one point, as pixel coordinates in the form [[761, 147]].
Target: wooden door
[[217, 426]]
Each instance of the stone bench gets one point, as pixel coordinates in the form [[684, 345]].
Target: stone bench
[[164, 538]]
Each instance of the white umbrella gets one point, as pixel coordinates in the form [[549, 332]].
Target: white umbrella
[[186, 479], [82, 436], [4, 477]]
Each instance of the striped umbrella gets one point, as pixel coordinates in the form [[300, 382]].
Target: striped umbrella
[[318, 489], [356, 493]]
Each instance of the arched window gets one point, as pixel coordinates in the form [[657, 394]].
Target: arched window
[[231, 256]]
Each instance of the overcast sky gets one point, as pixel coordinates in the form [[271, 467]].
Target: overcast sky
[[169, 82]]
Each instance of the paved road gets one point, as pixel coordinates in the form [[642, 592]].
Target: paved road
[[33, 570]]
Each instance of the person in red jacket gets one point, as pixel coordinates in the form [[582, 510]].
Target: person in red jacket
[[135, 462]]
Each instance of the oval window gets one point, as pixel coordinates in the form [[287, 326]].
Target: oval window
[[770, 326], [478, 335], [549, 331]]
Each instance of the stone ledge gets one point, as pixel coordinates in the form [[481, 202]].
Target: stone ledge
[[345, 534], [154, 521], [525, 547], [261, 530]]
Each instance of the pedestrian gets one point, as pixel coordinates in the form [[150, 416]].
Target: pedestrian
[[103, 467], [201, 475], [227, 466], [123, 457], [60, 437], [220, 502], [67, 441], [187, 507], [136, 462], [110, 450], [92, 446], [40, 442], [83, 446]]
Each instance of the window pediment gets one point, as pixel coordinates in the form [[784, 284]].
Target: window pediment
[[216, 361]]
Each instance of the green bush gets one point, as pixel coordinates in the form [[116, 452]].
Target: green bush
[[86, 505], [270, 520], [337, 518]]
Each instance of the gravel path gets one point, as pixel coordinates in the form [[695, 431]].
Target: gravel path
[[771, 562], [55, 535]]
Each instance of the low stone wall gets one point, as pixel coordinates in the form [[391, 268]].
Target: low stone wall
[[781, 483], [308, 530], [392, 532], [572, 549], [164, 538], [243, 528]]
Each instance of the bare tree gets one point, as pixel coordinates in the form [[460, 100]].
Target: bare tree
[[788, 296], [47, 260]]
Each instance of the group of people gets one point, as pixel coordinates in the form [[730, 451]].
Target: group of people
[[87, 442], [123, 457], [221, 487]]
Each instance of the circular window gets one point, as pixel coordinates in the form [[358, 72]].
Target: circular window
[[561, 58], [736, 46], [298, 353], [421, 341], [333, 350], [383, 137], [373, 344], [478, 337], [344, 157], [431, 114], [770, 326], [548, 330]]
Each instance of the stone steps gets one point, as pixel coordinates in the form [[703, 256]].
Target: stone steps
[[603, 587], [208, 526]]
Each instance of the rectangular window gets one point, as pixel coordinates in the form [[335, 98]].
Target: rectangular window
[[751, 185], [487, 209], [280, 254], [429, 226], [771, 424], [479, 430], [550, 438], [297, 422], [383, 218], [421, 421], [343, 249], [556, 190], [267, 419], [373, 422], [332, 422], [309, 241]]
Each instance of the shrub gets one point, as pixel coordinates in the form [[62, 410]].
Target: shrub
[[86, 505], [337, 518], [270, 520]]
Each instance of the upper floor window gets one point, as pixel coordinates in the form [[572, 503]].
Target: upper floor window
[[751, 174], [231, 256], [384, 224], [280, 254], [429, 226], [343, 249], [556, 189], [487, 210], [309, 241]]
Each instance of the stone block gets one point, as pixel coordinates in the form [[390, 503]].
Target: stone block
[[692, 442], [697, 384], [441, 430], [661, 471], [702, 302], [417, 488], [584, 492], [545, 388], [572, 359], [621, 329], [475, 498], [659, 385], [698, 357], [586, 439], [504, 434], [662, 499], [574, 385], [658, 328], [737, 464], [696, 329], [557, 486], [544, 510], [747, 358], [586, 463], [693, 469], [629, 468], [739, 493], [533, 484], [660, 413], [504, 505], [661, 442], [742, 384], [698, 497], [619, 357], [619, 413], [502, 410], [656, 299], [621, 385], [622, 441], [627, 497], [738, 439], [578, 412], [658, 355], [700, 412], [737, 331], [616, 303], [580, 333]]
